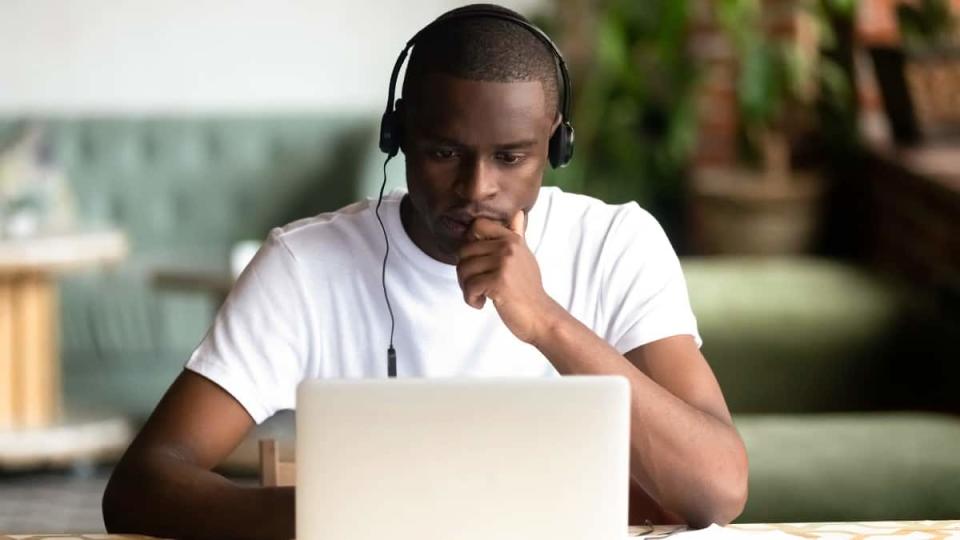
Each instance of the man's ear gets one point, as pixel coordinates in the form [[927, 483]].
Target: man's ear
[[556, 123]]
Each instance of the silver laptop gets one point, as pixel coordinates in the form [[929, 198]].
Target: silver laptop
[[485, 459]]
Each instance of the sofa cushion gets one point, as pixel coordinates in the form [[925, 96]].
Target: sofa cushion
[[796, 334], [843, 467]]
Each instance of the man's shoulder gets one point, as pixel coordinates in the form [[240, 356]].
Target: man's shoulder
[[586, 212], [346, 229], [348, 216]]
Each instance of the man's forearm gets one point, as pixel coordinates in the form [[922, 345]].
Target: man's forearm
[[169, 498], [690, 462]]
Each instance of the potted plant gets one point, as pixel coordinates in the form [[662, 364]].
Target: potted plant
[[928, 58], [634, 100], [762, 204]]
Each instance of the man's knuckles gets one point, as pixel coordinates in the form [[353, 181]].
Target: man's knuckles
[[504, 247], [482, 228]]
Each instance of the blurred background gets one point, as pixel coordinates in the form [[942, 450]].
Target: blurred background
[[803, 156]]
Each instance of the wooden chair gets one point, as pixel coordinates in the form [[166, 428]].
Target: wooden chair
[[273, 471]]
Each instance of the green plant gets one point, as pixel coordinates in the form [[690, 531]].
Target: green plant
[[926, 23], [634, 102], [781, 79]]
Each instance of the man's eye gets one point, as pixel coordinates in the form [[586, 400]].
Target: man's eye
[[509, 158], [443, 153]]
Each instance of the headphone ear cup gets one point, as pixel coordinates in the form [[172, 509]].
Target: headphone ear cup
[[561, 146], [390, 133]]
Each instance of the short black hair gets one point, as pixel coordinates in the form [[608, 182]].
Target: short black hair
[[484, 48]]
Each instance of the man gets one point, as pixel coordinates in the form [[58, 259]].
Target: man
[[490, 274]]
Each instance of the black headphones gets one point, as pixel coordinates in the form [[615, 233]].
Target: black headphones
[[561, 141]]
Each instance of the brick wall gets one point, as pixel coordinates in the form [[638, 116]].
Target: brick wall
[[716, 102], [717, 107]]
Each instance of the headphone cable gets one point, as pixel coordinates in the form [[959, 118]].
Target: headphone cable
[[391, 352]]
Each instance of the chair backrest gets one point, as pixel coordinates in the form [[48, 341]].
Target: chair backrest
[[273, 471]]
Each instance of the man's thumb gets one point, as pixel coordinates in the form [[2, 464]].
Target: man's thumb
[[518, 223]]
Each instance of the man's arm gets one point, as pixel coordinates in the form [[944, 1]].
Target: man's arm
[[685, 452], [163, 485]]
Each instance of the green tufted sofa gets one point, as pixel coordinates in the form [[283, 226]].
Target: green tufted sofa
[[185, 190], [834, 375], [824, 365]]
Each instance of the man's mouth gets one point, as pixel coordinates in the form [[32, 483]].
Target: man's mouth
[[453, 226], [456, 222]]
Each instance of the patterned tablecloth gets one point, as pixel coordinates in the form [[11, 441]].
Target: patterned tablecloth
[[839, 531], [858, 530]]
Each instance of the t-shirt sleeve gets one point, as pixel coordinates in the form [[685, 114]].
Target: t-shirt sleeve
[[257, 347], [644, 293]]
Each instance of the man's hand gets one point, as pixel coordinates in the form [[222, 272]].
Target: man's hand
[[496, 263]]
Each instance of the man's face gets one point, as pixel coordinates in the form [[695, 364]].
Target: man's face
[[473, 149]]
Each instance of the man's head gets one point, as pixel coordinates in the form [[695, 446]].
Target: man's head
[[480, 101]]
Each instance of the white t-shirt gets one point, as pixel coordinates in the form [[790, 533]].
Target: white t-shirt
[[310, 303]]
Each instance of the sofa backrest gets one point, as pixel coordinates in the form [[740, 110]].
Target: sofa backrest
[[182, 182]]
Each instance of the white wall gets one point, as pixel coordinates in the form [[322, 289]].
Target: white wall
[[102, 56]]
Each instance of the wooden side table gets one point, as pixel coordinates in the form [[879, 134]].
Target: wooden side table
[[214, 283], [30, 392]]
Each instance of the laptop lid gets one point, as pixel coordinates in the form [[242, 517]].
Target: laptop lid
[[463, 459]]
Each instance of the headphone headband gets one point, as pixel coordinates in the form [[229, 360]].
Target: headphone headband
[[476, 11], [561, 150]]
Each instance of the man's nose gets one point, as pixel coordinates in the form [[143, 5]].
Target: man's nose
[[477, 180]]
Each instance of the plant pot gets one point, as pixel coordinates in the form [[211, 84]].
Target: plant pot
[[933, 84], [742, 211]]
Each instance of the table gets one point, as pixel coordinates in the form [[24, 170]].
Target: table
[[30, 392], [211, 276], [834, 530], [856, 530], [213, 282]]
